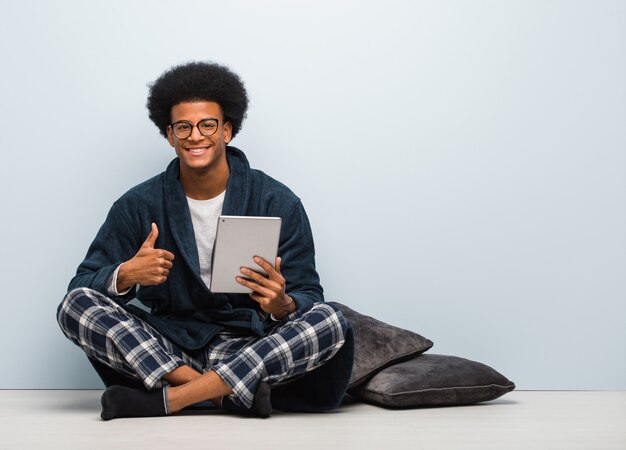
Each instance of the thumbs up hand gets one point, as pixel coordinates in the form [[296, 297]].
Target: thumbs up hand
[[152, 237], [149, 266]]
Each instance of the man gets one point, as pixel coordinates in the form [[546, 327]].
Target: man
[[279, 345]]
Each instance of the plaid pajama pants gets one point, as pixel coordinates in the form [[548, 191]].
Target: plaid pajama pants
[[108, 333]]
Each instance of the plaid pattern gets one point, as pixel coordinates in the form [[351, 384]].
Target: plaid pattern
[[302, 342], [299, 344]]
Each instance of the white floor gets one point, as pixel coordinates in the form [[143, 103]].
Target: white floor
[[519, 420]]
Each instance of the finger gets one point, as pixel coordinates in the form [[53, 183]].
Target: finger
[[160, 273], [152, 237], [266, 266], [278, 260], [166, 264], [256, 276], [265, 292], [254, 296], [262, 279], [263, 301], [260, 299], [154, 281], [166, 255]]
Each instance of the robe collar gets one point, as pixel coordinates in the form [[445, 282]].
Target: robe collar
[[177, 208]]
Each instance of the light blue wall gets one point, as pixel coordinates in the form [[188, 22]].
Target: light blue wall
[[463, 163]]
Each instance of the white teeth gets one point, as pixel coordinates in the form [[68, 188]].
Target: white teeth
[[196, 150]]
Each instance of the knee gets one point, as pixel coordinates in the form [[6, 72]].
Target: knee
[[334, 317], [73, 300], [73, 306]]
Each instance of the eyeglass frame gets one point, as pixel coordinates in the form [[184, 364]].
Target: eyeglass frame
[[217, 122]]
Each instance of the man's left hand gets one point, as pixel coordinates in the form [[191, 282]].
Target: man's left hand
[[269, 292]]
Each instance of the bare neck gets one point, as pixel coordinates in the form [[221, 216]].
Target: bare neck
[[206, 184]]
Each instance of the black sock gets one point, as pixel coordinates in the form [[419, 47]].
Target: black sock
[[261, 405], [120, 401]]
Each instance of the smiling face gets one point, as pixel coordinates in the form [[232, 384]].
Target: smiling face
[[199, 154]]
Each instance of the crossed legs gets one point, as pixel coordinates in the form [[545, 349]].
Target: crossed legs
[[190, 386], [238, 367]]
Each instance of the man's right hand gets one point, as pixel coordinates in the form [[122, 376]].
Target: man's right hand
[[149, 267]]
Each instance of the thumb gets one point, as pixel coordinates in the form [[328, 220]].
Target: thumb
[[278, 260], [152, 237]]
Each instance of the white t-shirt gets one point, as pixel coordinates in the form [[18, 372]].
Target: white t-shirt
[[204, 216]]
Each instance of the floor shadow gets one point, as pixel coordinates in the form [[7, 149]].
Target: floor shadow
[[89, 401], [501, 401]]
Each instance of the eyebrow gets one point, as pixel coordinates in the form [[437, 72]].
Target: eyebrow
[[191, 123]]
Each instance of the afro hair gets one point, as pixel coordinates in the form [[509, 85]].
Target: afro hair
[[198, 81]]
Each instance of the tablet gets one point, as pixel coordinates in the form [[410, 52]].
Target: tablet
[[238, 240]]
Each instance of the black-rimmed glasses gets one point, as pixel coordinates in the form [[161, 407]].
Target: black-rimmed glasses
[[182, 129]]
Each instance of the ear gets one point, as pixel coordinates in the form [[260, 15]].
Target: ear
[[170, 135], [228, 132]]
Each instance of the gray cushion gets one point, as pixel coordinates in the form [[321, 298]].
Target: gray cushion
[[378, 345], [433, 380]]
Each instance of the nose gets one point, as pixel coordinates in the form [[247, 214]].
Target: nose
[[195, 136]]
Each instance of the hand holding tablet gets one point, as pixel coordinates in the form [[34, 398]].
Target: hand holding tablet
[[268, 292], [244, 247]]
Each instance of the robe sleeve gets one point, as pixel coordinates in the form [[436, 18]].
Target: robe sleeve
[[117, 241], [297, 254]]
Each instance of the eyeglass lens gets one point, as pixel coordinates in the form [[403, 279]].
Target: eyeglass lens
[[183, 130]]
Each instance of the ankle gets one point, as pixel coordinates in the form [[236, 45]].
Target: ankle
[[181, 375], [174, 400]]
